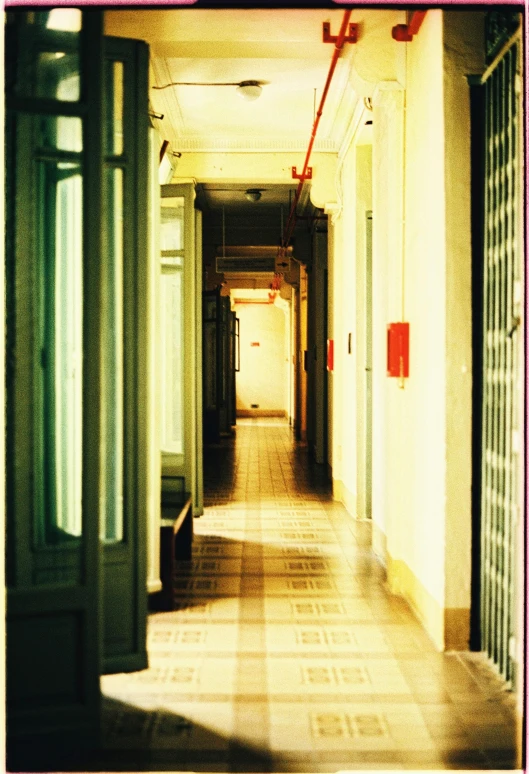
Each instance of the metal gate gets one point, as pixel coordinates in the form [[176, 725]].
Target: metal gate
[[502, 291]]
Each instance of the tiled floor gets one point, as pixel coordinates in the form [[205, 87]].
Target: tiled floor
[[286, 653]]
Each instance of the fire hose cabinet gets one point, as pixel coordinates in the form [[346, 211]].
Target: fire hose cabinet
[[330, 354], [399, 349]]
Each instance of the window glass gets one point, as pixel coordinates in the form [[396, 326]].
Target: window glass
[[67, 19], [42, 54], [172, 226], [60, 132], [59, 464], [172, 362], [114, 431], [114, 107], [57, 76]]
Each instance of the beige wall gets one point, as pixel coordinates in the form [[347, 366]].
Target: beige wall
[[416, 454], [263, 378], [421, 266], [364, 203]]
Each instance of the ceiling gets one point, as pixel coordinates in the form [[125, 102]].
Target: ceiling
[[230, 197], [280, 48]]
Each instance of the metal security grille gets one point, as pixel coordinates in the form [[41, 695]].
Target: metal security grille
[[499, 499]]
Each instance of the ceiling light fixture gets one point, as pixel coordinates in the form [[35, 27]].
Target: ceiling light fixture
[[253, 194], [249, 90]]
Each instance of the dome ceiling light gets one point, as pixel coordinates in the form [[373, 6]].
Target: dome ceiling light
[[253, 194], [249, 90]]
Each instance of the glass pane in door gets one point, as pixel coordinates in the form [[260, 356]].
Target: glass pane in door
[[59, 453], [172, 362], [112, 527], [172, 228]]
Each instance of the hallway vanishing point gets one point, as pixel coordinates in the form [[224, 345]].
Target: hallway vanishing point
[[285, 651]]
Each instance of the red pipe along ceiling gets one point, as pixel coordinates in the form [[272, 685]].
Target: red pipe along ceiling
[[338, 46]]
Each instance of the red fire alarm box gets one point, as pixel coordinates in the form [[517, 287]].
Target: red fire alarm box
[[330, 354], [399, 349]]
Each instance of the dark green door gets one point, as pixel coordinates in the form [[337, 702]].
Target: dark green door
[[124, 519], [53, 376]]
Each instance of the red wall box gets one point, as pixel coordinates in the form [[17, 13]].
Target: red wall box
[[399, 349], [330, 354]]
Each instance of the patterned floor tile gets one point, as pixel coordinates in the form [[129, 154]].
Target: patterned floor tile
[[285, 652]]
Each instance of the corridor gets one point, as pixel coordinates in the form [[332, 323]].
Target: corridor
[[284, 651]]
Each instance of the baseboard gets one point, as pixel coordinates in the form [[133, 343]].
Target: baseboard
[[337, 490], [457, 628], [403, 581], [349, 500], [261, 413], [380, 544]]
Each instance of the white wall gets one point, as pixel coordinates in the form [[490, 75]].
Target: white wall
[[416, 415], [347, 295], [364, 203], [423, 270], [262, 379], [421, 266]]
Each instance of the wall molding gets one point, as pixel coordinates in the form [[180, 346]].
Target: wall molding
[[257, 144], [403, 582]]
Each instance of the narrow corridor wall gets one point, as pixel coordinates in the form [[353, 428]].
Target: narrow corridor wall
[[364, 204], [421, 274], [410, 250], [422, 264], [346, 292]]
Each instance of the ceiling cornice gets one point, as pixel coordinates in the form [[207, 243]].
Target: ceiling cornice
[[251, 145], [166, 102]]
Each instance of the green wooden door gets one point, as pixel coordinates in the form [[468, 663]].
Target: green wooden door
[[210, 364], [180, 334], [124, 258], [53, 376], [198, 493]]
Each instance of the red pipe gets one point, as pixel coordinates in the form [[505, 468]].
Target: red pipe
[[289, 228], [403, 33], [416, 21]]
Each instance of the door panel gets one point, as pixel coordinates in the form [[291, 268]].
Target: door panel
[[225, 378], [198, 493], [179, 330], [320, 345], [123, 528], [53, 428]]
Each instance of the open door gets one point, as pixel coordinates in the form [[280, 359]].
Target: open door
[[125, 261], [180, 333], [198, 493], [53, 372]]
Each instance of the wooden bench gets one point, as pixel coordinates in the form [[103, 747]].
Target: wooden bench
[[176, 540]]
